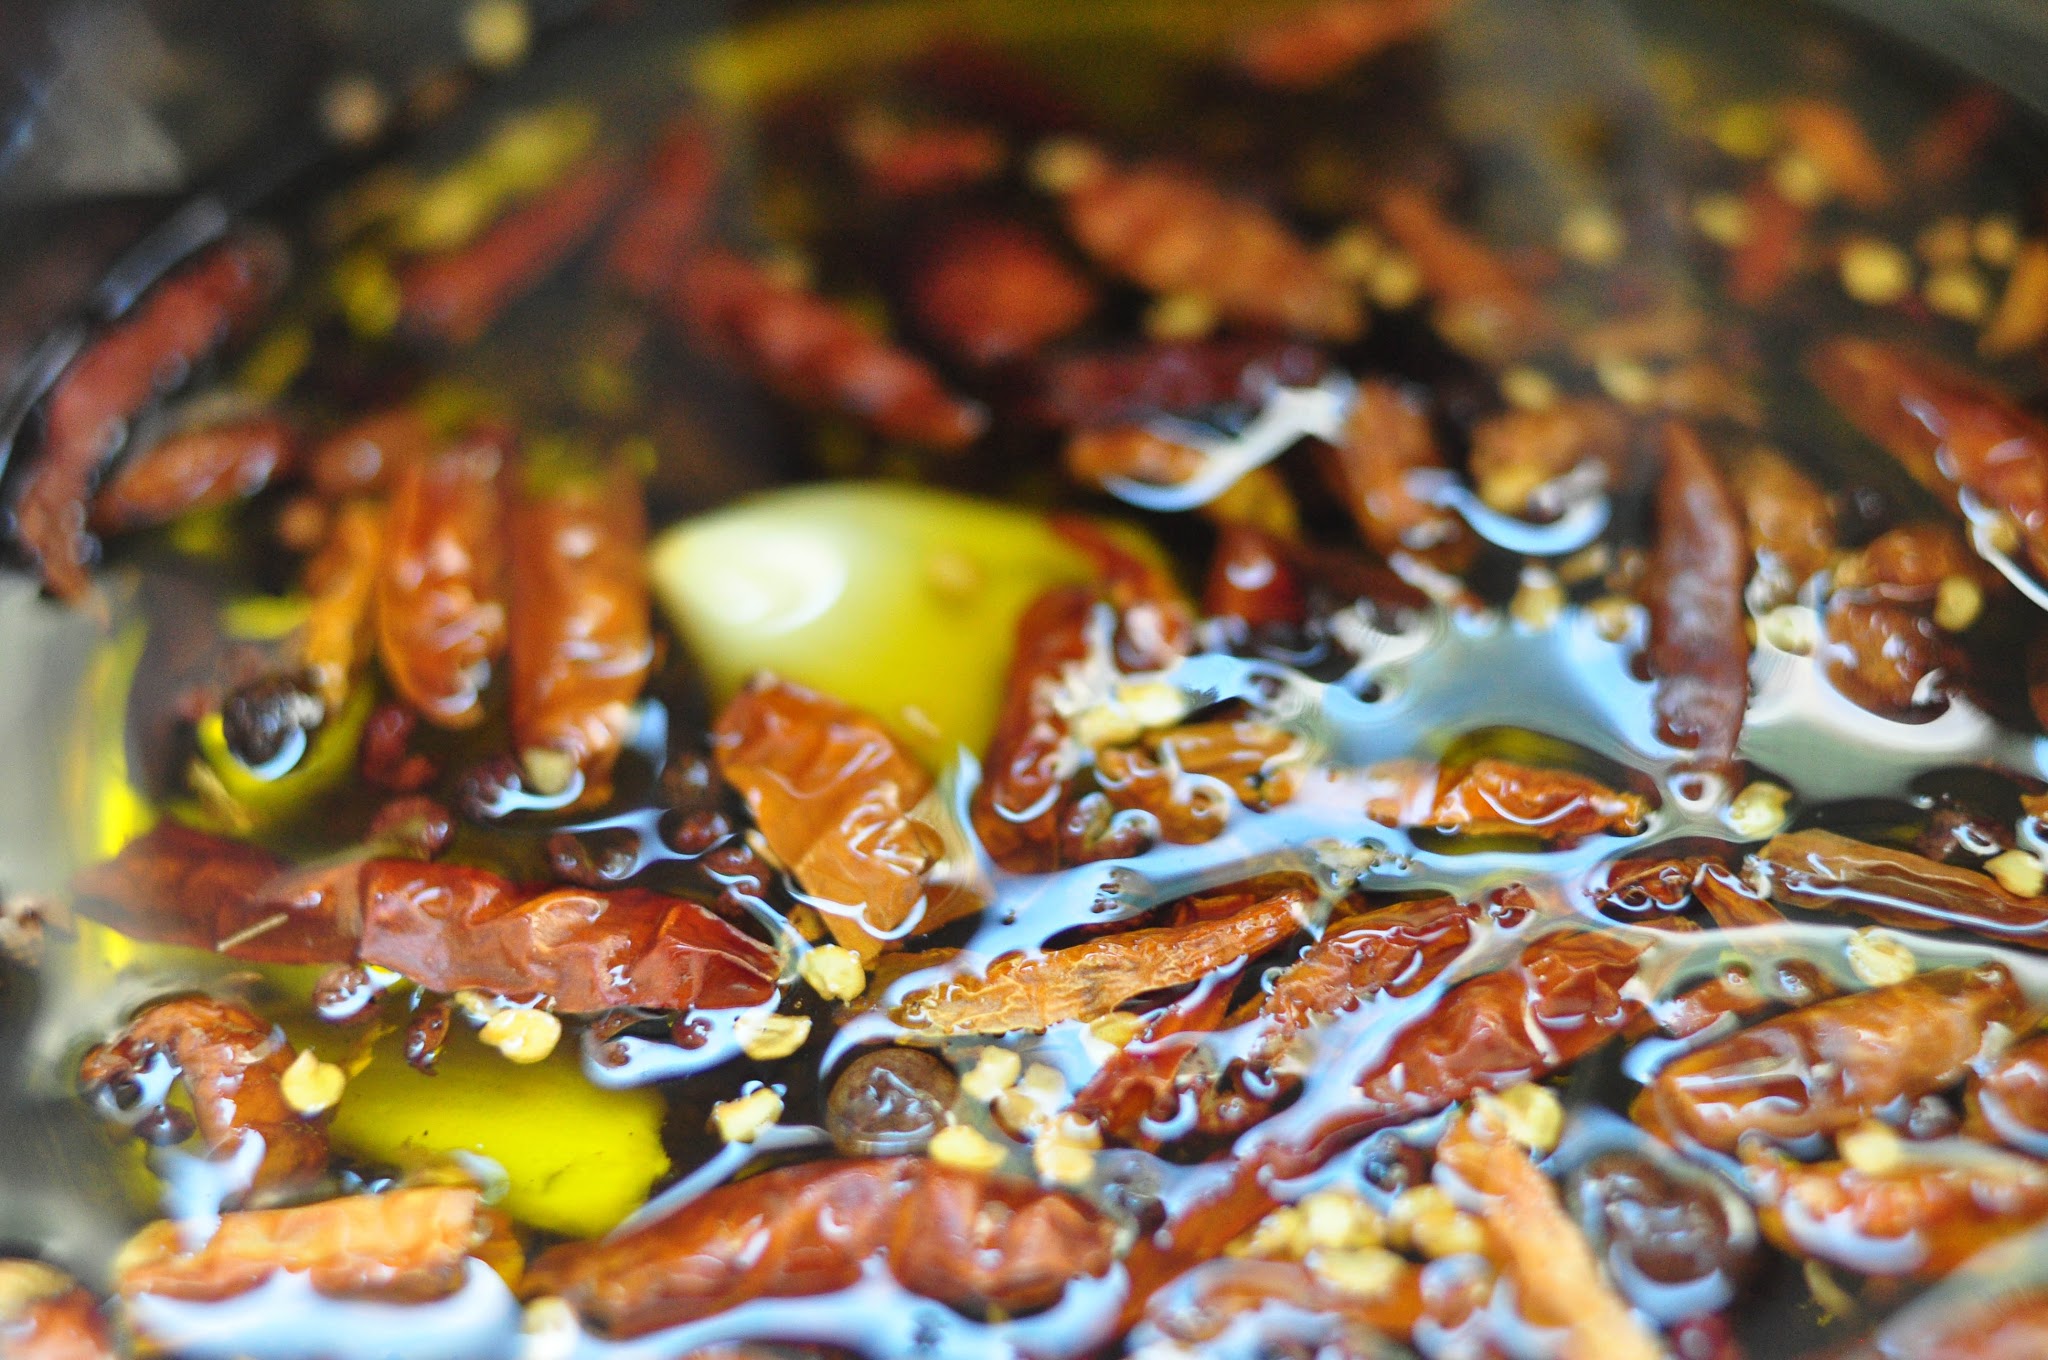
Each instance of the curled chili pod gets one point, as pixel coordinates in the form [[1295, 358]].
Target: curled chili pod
[[402, 1246], [1499, 797], [1097, 388], [233, 1064], [1699, 640], [1481, 305], [194, 469], [1322, 41], [46, 1315], [1831, 1065], [817, 354], [1825, 871], [1171, 231], [454, 297], [581, 639], [175, 325], [440, 606], [993, 292], [1386, 438], [670, 210], [967, 1240]]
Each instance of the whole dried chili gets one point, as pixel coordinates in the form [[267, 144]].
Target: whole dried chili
[[175, 325], [966, 1240], [581, 637], [1222, 1303], [364, 457], [995, 292], [1093, 457], [2008, 1095], [1791, 521], [1323, 41], [1516, 454], [1956, 135], [903, 160], [1121, 387], [1142, 1080], [1387, 437], [440, 606], [1638, 887], [817, 354], [1035, 991], [1482, 306], [454, 297], [831, 791], [1172, 232], [1499, 797], [1829, 136], [402, 1246], [1951, 430], [1252, 578], [1017, 806], [670, 211], [1830, 1065], [340, 635], [45, 1315], [1733, 903], [1823, 871], [232, 1064], [1920, 1218], [1699, 643], [451, 927], [194, 469]]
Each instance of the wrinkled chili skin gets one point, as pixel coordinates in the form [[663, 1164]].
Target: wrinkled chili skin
[[966, 1240], [341, 579], [1828, 1066], [1323, 41], [1790, 520], [1499, 797], [1016, 808], [174, 326], [454, 298], [194, 469], [401, 1246], [2009, 1095], [232, 1063], [995, 292], [440, 596], [60, 1326], [1823, 871], [451, 927], [670, 211], [1387, 437], [1253, 578], [1119, 387], [581, 635], [1951, 430], [1515, 454], [1699, 643], [1219, 1298], [815, 353]]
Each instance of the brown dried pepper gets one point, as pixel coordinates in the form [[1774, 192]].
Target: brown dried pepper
[[1142, 1079], [1323, 41], [994, 292], [966, 1240], [1253, 578], [440, 605], [582, 640], [1093, 457], [817, 354], [1482, 306], [364, 457], [194, 469], [1791, 521], [1035, 991], [233, 1065], [902, 160], [670, 211], [1823, 871], [1760, 267], [1830, 1065], [2009, 1095], [1499, 797], [1214, 1303], [1386, 437], [1829, 136], [1122, 387], [340, 633], [1955, 137], [1949, 429], [1170, 231], [455, 297], [1016, 808], [173, 327], [1699, 640], [45, 1315], [1517, 453], [402, 1246]]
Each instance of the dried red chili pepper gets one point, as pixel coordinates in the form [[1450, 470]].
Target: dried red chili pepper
[[1639, 887], [1141, 1080], [1387, 437], [1482, 305], [364, 456], [1499, 797], [1920, 1219], [339, 634], [1016, 808], [1170, 231], [1791, 521], [1225, 1302], [1036, 991], [670, 210], [831, 791], [1093, 457], [1951, 430], [194, 469], [1517, 453], [994, 292], [1251, 577], [1323, 41], [1123, 387], [1956, 136], [2020, 321], [1830, 1065], [1886, 658], [456, 296], [1154, 626], [232, 1064], [451, 927], [965, 1240], [45, 1315], [1394, 950], [817, 354], [1770, 254], [1732, 903], [903, 160], [440, 607], [1822, 871], [1829, 136], [175, 325], [1699, 640], [582, 640], [402, 1246]]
